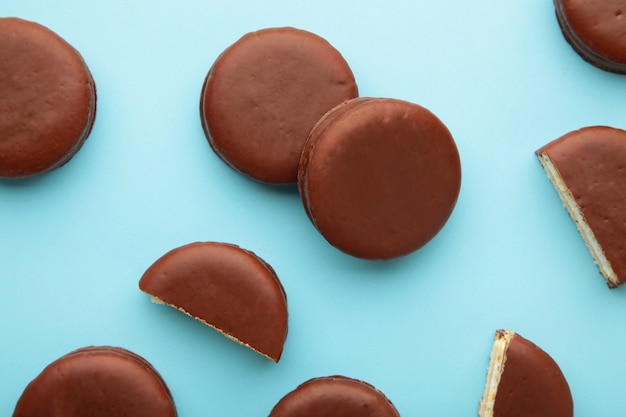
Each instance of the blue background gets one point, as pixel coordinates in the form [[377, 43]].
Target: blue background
[[499, 74]]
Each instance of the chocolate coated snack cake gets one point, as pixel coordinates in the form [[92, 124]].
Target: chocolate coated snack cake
[[47, 99], [263, 95], [588, 170], [379, 177], [227, 288], [97, 381], [523, 381], [334, 396], [596, 30]]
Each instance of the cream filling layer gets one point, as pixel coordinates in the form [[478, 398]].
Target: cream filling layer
[[496, 367], [579, 220]]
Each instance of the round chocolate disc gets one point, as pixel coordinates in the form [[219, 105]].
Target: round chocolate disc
[[263, 95], [47, 99], [596, 30], [334, 396], [97, 381], [379, 177]]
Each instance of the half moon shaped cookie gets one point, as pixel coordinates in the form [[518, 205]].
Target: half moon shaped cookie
[[379, 177], [226, 287], [523, 380], [588, 169], [97, 381], [596, 30], [334, 396], [263, 95], [47, 99]]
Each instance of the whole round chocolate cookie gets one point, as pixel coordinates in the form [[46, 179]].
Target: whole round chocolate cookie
[[225, 287], [47, 99], [97, 381], [379, 177], [334, 396], [263, 95], [596, 30]]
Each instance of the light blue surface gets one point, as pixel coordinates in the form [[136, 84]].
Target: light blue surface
[[74, 242]]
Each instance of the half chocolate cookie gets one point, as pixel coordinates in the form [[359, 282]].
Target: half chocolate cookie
[[588, 170], [47, 99], [97, 381], [227, 288], [523, 381]]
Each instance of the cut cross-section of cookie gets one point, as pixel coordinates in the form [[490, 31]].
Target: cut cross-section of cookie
[[226, 287], [334, 396], [97, 381], [588, 170], [523, 381]]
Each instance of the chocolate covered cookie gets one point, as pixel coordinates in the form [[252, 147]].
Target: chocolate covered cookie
[[334, 396], [588, 170], [228, 288], [97, 381], [263, 95], [47, 99], [379, 177], [523, 381], [596, 30]]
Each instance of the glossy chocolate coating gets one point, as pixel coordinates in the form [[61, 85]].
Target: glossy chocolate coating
[[532, 384], [263, 95], [379, 177], [334, 396], [226, 287], [47, 99], [592, 163], [98, 381], [596, 30], [317, 130]]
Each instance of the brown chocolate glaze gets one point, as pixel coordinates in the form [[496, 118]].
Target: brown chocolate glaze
[[263, 95], [592, 163], [97, 381], [379, 177], [319, 128], [334, 396], [48, 99], [227, 288], [596, 30], [531, 384]]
